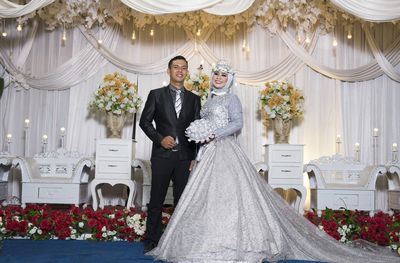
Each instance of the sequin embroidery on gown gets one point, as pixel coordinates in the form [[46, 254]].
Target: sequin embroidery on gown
[[228, 212]]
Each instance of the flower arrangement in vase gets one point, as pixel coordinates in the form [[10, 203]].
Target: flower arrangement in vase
[[281, 102], [116, 96], [199, 84]]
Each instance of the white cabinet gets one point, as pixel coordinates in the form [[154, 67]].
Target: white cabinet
[[113, 166], [113, 159], [285, 169]]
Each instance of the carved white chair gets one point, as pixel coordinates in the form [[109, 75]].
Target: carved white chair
[[5, 168], [342, 182], [58, 177], [393, 175]]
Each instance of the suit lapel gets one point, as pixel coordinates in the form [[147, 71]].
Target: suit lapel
[[170, 102]]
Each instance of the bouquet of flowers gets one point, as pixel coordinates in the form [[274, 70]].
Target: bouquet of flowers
[[281, 99], [116, 95], [199, 84]]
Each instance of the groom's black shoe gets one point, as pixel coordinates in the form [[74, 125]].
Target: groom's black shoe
[[148, 246]]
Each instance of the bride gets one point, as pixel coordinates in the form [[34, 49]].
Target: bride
[[228, 212]]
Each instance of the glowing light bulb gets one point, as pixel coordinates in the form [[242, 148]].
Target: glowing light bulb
[[349, 36], [64, 35], [152, 32], [100, 41], [198, 32], [244, 44], [308, 40], [4, 34], [19, 27], [334, 43], [133, 35]]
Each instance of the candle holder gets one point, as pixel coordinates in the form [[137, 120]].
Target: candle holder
[[26, 138], [357, 152], [375, 149], [8, 145], [62, 137], [44, 143], [394, 153], [338, 142], [394, 157]]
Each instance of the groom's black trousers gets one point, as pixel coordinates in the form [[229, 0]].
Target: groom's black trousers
[[163, 171]]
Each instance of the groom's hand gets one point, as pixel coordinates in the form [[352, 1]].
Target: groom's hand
[[168, 142]]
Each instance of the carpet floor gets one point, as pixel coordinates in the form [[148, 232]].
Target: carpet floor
[[65, 251]]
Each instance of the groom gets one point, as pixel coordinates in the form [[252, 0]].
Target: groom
[[172, 108]]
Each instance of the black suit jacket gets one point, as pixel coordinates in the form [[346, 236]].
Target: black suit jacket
[[160, 108]]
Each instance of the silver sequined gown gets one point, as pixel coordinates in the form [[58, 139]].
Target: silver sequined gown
[[228, 212]]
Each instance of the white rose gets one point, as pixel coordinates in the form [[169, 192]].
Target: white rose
[[39, 231], [103, 229], [81, 224], [33, 230]]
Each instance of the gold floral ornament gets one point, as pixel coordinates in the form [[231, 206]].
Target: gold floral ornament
[[199, 84], [116, 95], [279, 99]]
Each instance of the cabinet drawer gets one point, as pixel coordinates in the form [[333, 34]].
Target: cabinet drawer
[[113, 167], [285, 172], [113, 151], [286, 156]]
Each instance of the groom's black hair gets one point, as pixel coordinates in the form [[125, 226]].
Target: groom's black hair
[[176, 58]]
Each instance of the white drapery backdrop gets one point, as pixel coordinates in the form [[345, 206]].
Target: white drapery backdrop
[[63, 77]]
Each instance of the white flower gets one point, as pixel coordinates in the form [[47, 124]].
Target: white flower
[[112, 216], [103, 229], [39, 231], [73, 236], [33, 230], [111, 233], [104, 234], [81, 224]]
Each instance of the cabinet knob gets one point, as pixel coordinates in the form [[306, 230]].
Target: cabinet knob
[[285, 171], [112, 165], [113, 150], [286, 155]]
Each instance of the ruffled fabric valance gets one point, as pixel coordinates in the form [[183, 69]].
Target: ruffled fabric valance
[[216, 7], [9, 9], [371, 10]]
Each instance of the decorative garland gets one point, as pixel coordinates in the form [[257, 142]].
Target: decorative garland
[[305, 15]]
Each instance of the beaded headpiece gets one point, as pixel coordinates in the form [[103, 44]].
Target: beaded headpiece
[[223, 66]]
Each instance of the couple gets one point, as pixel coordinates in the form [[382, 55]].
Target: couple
[[227, 211]]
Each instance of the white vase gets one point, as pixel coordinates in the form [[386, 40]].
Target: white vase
[[115, 124]]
